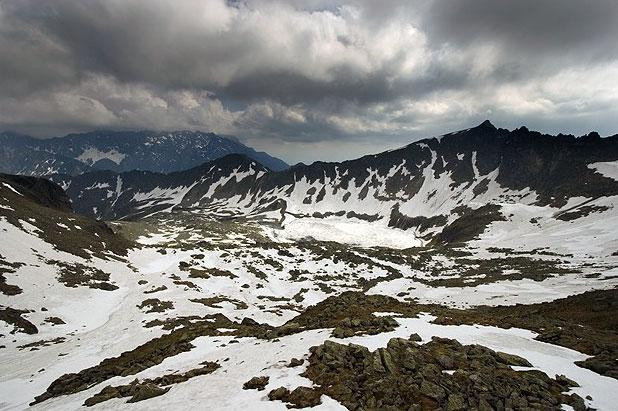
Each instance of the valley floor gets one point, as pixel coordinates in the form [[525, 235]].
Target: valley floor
[[201, 307]]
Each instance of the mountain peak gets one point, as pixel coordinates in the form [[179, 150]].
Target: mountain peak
[[486, 124]]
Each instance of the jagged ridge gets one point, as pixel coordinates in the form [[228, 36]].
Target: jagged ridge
[[422, 186]]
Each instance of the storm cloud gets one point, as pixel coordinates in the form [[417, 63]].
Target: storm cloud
[[305, 78]]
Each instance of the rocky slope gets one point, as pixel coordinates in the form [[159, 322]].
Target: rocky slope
[[119, 151]]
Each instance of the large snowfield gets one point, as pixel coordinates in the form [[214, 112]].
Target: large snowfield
[[102, 324]]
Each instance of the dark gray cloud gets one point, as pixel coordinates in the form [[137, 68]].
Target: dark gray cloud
[[578, 29], [308, 72]]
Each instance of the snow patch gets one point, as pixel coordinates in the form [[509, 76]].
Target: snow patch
[[12, 189], [91, 155], [347, 231], [608, 168]]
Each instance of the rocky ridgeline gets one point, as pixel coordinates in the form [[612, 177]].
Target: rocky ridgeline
[[149, 388], [441, 174]]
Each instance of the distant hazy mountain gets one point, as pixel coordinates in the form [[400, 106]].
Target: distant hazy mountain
[[120, 151]]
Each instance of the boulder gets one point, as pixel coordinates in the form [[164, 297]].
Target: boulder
[[279, 394], [303, 397], [256, 383]]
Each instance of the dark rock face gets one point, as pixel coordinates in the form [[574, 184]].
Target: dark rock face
[[442, 374], [402, 221], [40, 191], [469, 224], [120, 151]]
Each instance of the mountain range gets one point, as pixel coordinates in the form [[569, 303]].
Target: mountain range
[[470, 175], [119, 151]]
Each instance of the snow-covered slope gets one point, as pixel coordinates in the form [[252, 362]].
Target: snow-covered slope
[[135, 194]]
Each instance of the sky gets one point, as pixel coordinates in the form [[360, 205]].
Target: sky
[[309, 80]]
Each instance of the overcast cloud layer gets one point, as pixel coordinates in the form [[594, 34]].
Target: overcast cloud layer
[[309, 80]]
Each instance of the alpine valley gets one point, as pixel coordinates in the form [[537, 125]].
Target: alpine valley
[[477, 270]]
